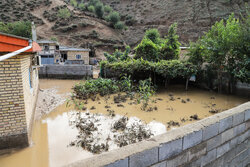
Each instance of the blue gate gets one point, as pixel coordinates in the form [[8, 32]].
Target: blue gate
[[47, 59]]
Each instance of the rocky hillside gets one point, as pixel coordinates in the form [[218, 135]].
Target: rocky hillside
[[83, 29], [194, 17]]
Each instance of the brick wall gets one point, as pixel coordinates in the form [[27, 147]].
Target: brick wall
[[220, 140], [30, 93], [84, 55], [15, 110]]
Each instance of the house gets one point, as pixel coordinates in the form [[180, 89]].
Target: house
[[50, 53], [72, 55], [18, 89]]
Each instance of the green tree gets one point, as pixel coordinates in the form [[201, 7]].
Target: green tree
[[147, 50], [153, 35], [99, 10], [119, 25], [114, 18], [226, 50], [20, 28], [73, 3], [107, 9], [82, 6], [91, 8], [171, 47], [64, 13], [93, 2]]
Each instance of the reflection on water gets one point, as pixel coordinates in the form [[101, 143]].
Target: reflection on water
[[52, 135]]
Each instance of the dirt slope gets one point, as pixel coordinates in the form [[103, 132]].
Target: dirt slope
[[194, 17], [83, 29]]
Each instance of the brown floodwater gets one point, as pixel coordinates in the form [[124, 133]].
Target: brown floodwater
[[52, 134]]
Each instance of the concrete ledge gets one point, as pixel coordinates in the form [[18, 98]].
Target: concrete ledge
[[14, 141], [203, 142]]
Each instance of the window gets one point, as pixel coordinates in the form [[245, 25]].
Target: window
[[30, 78], [78, 57], [46, 47]]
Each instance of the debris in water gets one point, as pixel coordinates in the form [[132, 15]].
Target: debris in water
[[111, 113], [107, 106], [173, 123], [195, 117], [120, 105], [214, 111], [98, 133]]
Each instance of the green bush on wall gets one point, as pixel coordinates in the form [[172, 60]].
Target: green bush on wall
[[168, 69]]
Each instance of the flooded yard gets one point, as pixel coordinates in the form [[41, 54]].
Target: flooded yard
[[54, 132]]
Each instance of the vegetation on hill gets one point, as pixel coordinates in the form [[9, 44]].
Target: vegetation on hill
[[19, 28], [101, 11]]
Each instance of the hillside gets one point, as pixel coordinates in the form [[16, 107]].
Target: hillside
[[194, 17], [84, 29]]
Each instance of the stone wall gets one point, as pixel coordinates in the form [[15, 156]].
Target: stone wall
[[16, 104], [84, 56], [69, 71], [219, 140]]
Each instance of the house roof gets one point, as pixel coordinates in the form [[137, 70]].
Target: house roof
[[45, 41], [12, 43], [66, 48]]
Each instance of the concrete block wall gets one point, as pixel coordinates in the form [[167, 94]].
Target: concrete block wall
[[69, 71], [12, 108], [219, 140]]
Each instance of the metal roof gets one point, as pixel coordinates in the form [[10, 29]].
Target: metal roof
[[45, 41], [66, 48], [12, 43]]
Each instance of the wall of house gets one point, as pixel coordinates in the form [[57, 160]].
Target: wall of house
[[15, 102], [84, 56], [30, 91], [13, 124], [220, 140]]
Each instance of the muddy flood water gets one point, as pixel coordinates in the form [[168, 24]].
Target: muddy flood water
[[52, 132]]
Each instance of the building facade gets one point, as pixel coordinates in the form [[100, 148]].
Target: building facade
[[52, 53], [18, 89]]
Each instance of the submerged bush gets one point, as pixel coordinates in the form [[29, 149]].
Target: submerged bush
[[165, 68], [92, 87]]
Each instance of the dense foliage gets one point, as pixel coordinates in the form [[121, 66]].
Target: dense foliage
[[154, 48], [64, 13], [147, 50], [226, 50], [100, 10], [118, 55], [99, 86], [167, 69], [20, 28], [171, 48]]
